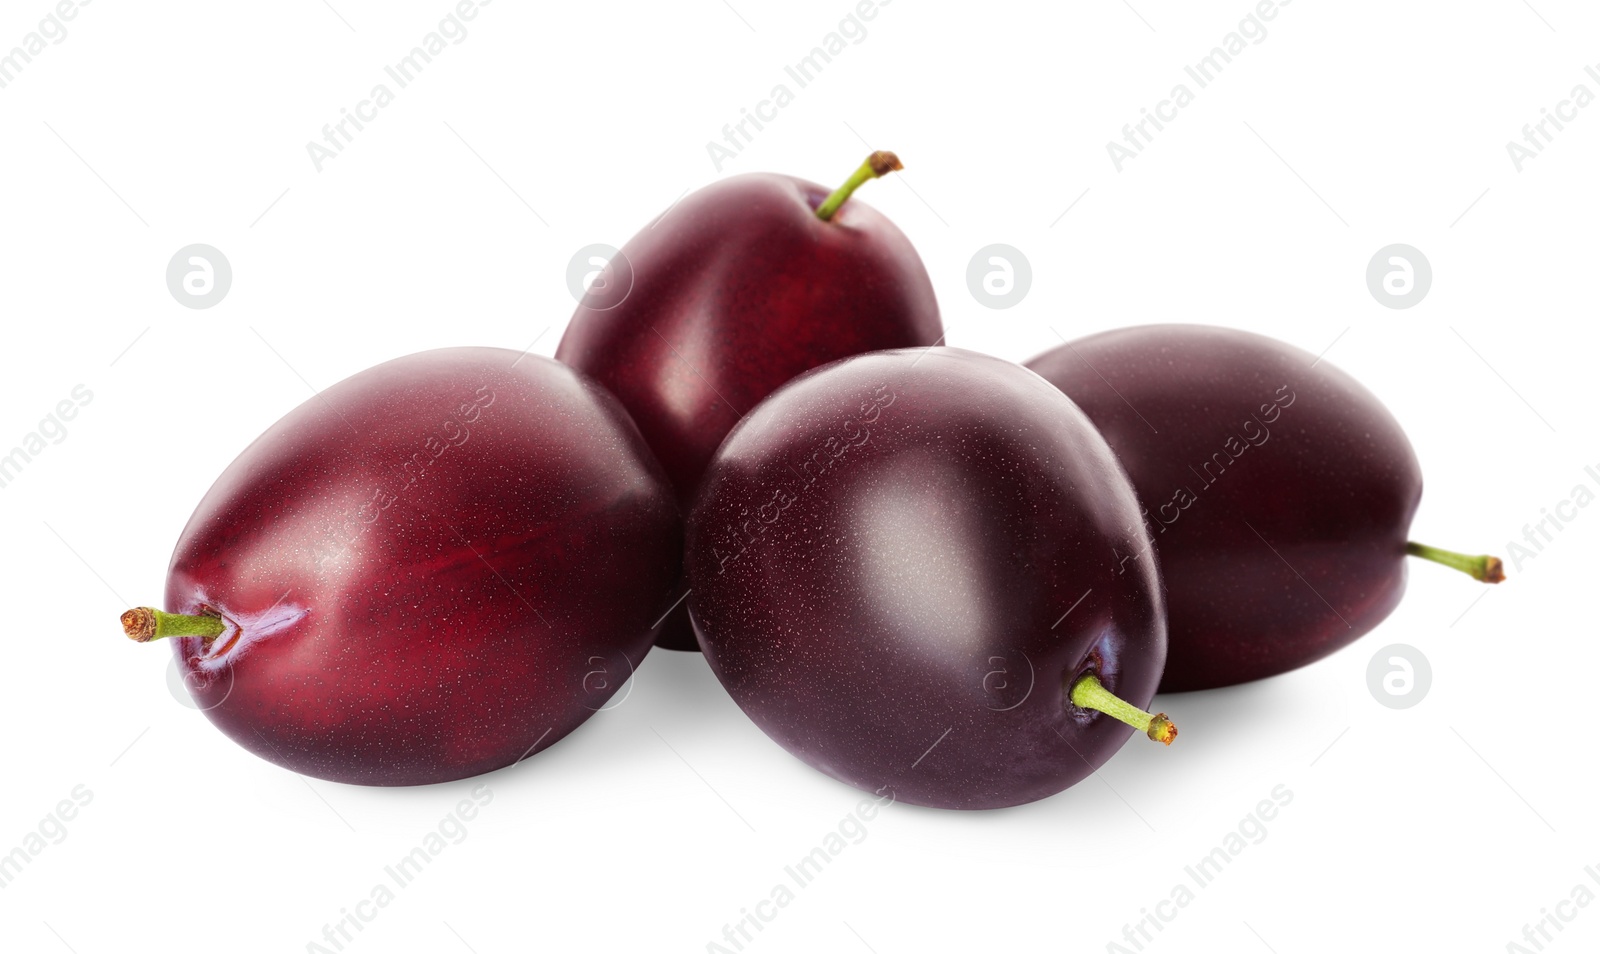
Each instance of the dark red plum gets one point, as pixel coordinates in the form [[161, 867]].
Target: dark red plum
[[1277, 490], [732, 292], [433, 569], [904, 569]]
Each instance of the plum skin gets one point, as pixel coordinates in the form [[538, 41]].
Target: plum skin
[[1292, 543], [736, 290], [437, 567], [883, 536]]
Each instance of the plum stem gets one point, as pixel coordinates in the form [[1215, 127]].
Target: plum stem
[[145, 624], [1484, 569], [878, 164], [1090, 694]]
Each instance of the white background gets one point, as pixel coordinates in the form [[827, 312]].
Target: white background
[[1350, 126]]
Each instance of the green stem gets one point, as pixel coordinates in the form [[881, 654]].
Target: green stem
[[1484, 569], [1090, 694], [145, 624], [878, 164]]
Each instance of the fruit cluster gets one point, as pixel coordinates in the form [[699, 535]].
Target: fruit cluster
[[920, 569]]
